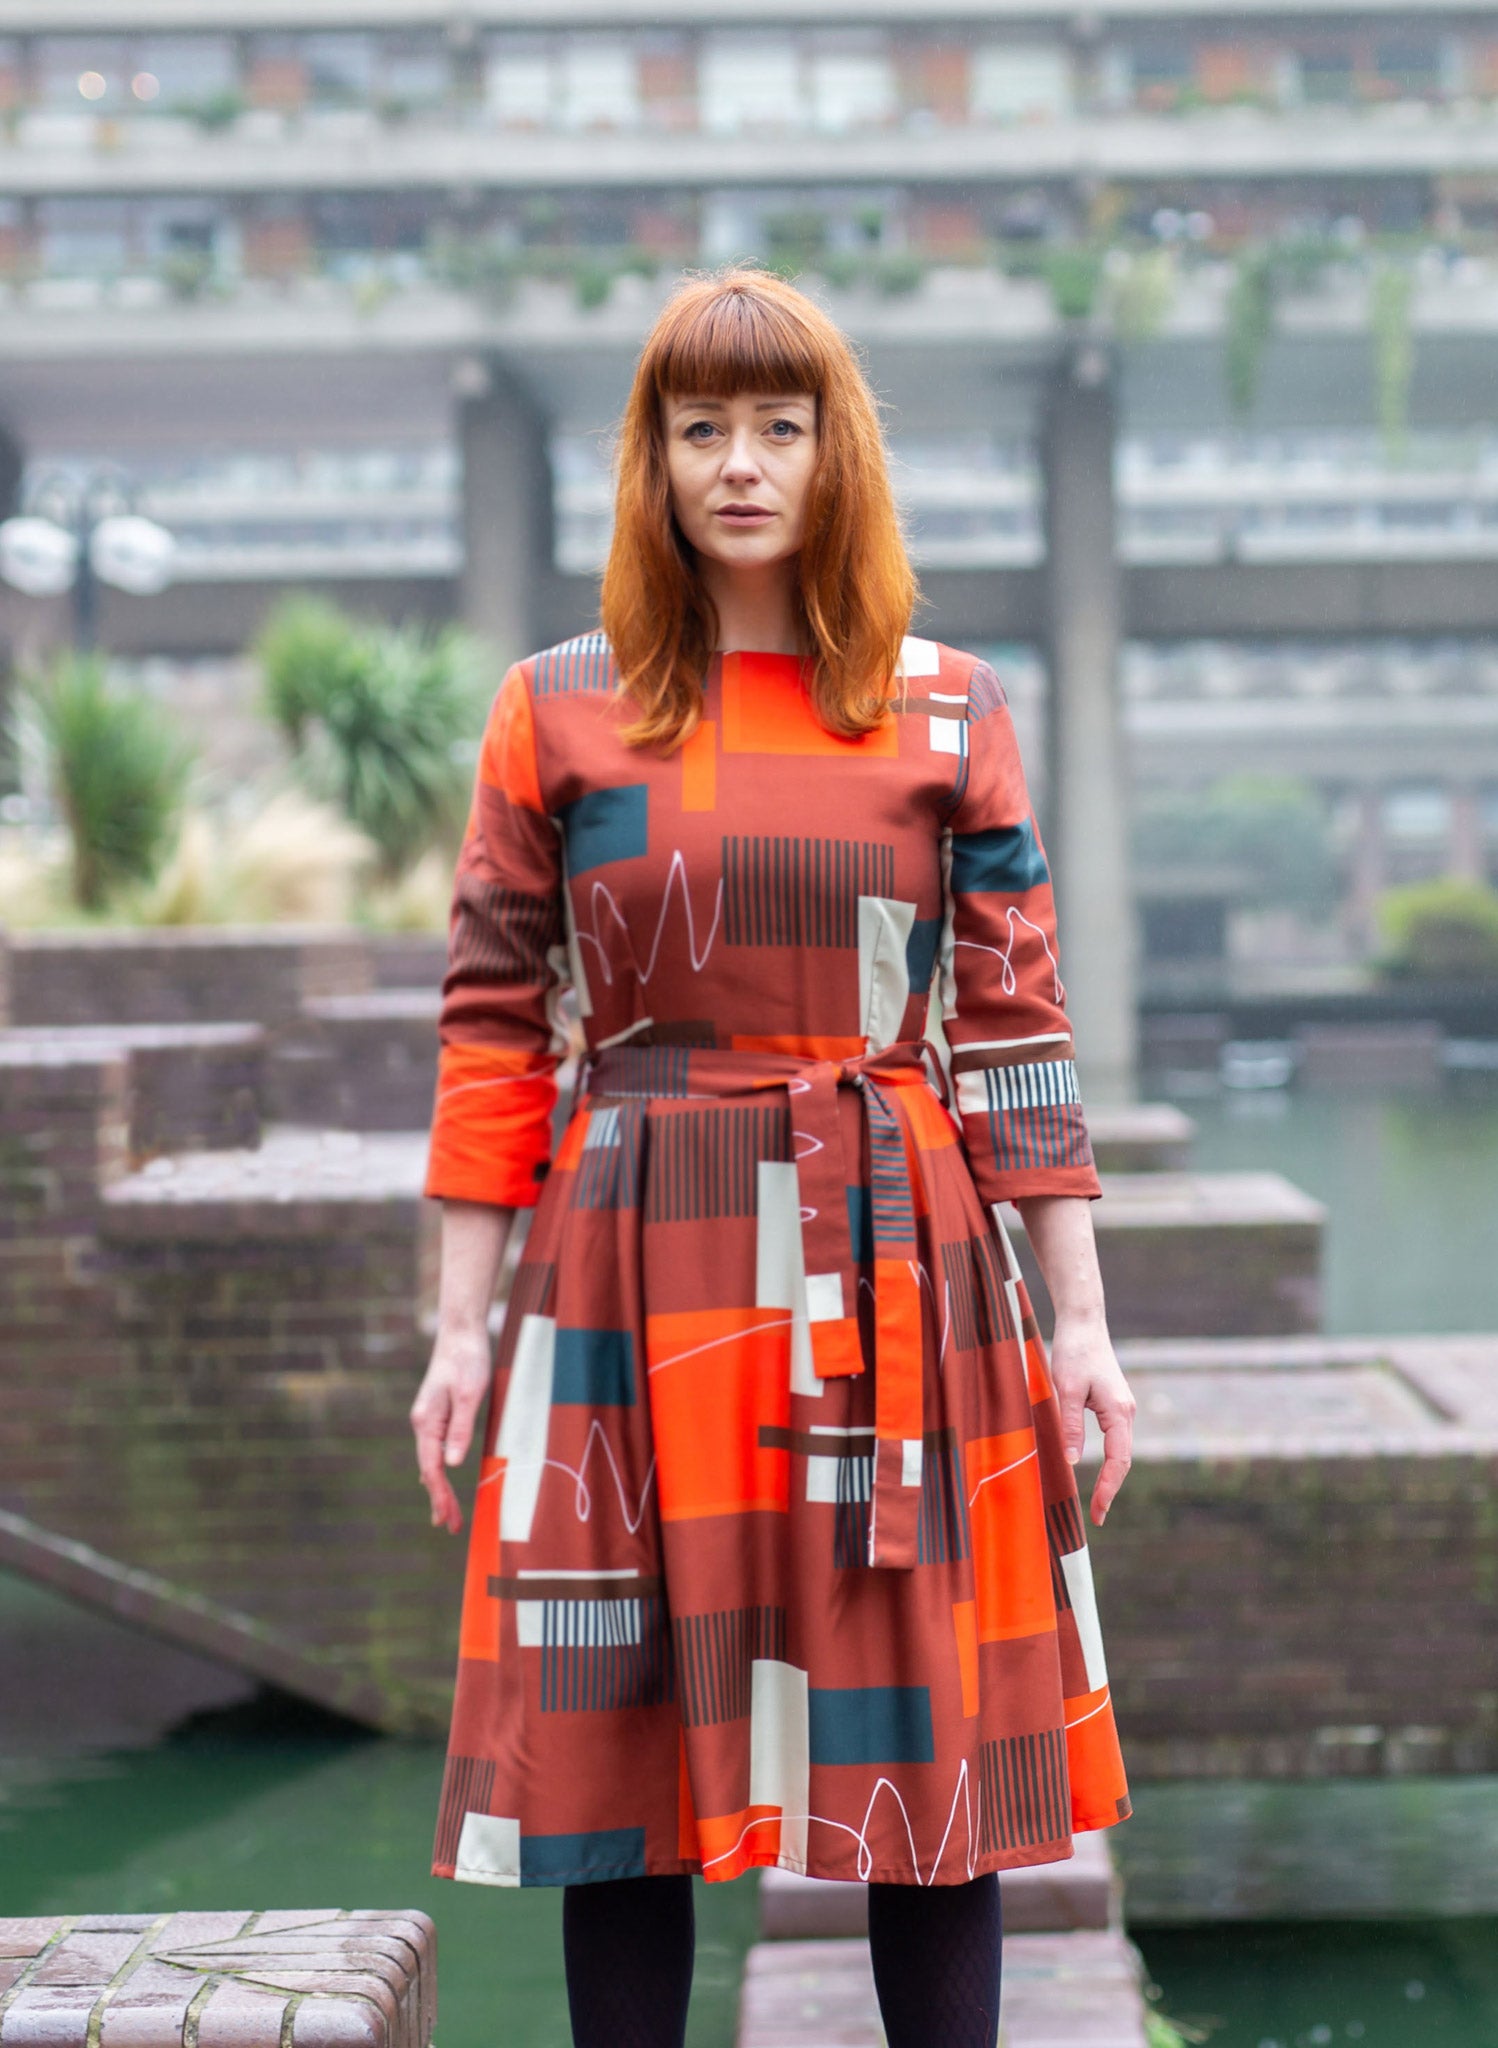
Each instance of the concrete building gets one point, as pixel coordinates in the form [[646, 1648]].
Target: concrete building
[[1185, 325]]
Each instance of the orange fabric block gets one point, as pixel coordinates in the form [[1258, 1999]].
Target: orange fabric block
[[965, 1627], [734, 1842], [699, 767], [1011, 1557], [491, 1127], [1093, 1760], [478, 1633], [507, 755], [716, 1377], [929, 1121], [899, 1406], [766, 710], [799, 1048]]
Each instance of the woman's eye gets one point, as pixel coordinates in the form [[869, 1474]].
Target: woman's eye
[[790, 429], [699, 429]]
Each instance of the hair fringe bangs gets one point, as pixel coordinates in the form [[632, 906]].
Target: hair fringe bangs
[[734, 340]]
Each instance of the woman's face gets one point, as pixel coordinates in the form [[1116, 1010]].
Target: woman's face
[[740, 470]]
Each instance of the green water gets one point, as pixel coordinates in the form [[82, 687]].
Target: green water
[[1409, 1182], [270, 1806], [1286, 1984]]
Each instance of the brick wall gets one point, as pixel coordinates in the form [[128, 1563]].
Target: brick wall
[[206, 1385]]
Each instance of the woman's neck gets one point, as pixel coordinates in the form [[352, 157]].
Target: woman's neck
[[757, 608]]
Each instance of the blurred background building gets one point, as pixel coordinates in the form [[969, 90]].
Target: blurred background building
[[351, 289]]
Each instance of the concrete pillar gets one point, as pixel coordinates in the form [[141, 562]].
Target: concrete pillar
[[1467, 855], [507, 509], [1086, 831], [1366, 877]]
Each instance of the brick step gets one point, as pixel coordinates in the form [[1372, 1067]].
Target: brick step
[[1046, 1898], [222, 1980], [1076, 1990]]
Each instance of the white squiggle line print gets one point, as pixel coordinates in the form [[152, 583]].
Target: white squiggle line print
[[582, 1496], [676, 871], [733, 1337], [961, 1791], [812, 1142], [1013, 1466], [1006, 953]]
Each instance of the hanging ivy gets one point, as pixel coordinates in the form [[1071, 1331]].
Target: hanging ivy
[[1392, 336], [1249, 327]]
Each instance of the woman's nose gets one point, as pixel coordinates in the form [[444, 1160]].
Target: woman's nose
[[739, 457]]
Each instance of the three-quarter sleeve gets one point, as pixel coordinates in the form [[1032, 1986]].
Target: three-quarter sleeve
[[501, 1038], [1012, 1059]]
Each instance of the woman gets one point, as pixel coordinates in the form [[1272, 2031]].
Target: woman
[[777, 1553]]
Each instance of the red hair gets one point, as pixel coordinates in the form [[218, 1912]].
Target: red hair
[[718, 337]]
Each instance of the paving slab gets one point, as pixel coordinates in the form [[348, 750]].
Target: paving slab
[[1076, 1990], [1082, 1890], [1139, 1137], [308, 1979]]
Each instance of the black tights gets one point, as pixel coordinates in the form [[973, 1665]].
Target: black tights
[[629, 1945]]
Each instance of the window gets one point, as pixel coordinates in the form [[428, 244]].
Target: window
[[340, 69], [76, 73], [173, 73], [519, 82], [750, 82], [852, 89], [599, 87], [1021, 81]]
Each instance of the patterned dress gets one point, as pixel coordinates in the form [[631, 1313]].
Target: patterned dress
[[775, 1555]]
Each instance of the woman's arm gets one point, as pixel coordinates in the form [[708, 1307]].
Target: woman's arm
[[474, 1236], [1084, 1368]]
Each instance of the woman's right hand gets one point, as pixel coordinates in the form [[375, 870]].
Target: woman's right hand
[[445, 1411]]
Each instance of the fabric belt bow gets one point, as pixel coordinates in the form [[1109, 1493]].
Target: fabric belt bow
[[834, 1211]]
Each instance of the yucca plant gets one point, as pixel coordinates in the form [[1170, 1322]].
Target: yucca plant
[[113, 766], [376, 718]]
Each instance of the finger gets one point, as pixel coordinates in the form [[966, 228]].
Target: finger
[[430, 1431], [1117, 1457], [465, 1408], [1073, 1400]]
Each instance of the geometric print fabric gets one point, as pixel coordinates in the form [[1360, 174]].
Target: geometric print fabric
[[776, 1557]]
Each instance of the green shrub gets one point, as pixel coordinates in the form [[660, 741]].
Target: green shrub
[[377, 718], [592, 282], [1446, 930], [1074, 275], [114, 767], [899, 273]]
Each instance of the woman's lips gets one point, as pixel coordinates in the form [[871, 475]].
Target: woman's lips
[[743, 515]]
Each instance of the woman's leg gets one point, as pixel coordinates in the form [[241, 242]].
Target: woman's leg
[[629, 1944], [937, 1952]]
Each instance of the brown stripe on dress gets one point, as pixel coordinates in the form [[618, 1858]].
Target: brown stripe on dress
[[704, 1161], [467, 1784], [969, 1059], [789, 891], [974, 1273], [714, 1655], [859, 1443], [574, 1589], [1026, 1792]]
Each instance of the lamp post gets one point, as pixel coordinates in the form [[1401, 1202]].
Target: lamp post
[[75, 532]]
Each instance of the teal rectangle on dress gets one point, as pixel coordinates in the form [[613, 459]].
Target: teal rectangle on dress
[[594, 1366], [871, 1724]]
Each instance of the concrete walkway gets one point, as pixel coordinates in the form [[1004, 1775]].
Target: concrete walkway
[[1075, 1990]]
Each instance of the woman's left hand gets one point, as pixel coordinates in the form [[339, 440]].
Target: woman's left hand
[[1086, 1374]]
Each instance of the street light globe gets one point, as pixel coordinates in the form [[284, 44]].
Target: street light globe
[[133, 554], [37, 557]]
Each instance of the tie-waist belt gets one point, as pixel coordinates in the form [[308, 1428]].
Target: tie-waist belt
[[885, 1081]]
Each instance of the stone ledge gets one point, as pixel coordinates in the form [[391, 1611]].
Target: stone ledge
[[296, 1181], [1139, 1137], [1044, 1898], [1078, 1990], [220, 1980]]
